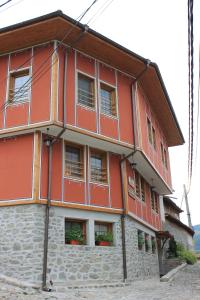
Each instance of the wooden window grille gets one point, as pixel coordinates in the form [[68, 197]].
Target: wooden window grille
[[162, 152], [142, 183], [139, 186], [98, 165], [108, 100], [154, 137], [74, 224], [165, 158], [19, 87], [74, 161], [86, 92], [152, 200], [149, 131]]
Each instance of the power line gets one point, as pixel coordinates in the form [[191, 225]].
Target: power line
[[191, 90], [1, 5], [36, 74], [14, 4], [100, 11]]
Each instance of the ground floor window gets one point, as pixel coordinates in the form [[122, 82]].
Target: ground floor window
[[103, 234], [75, 232], [140, 236], [153, 244], [147, 242]]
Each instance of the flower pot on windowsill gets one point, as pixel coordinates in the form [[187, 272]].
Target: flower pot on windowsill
[[74, 242], [104, 239], [104, 243]]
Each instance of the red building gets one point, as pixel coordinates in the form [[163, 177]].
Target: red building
[[85, 126]]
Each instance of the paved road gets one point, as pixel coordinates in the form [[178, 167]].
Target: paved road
[[185, 286]]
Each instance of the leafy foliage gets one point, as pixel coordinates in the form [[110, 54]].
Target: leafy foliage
[[75, 234], [188, 256], [105, 237]]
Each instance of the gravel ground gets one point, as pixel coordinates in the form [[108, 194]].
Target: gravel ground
[[185, 286]]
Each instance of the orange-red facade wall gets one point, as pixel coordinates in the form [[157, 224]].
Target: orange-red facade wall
[[16, 167], [154, 155], [38, 108]]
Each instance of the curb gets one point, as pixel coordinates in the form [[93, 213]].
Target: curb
[[19, 283], [169, 276]]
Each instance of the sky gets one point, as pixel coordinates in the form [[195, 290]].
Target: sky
[[154, 29]]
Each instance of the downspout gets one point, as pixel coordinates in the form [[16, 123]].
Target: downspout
[[49, 143], [122, 171]]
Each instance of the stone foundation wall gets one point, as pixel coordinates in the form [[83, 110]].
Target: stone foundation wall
[[141, 264], [21, 241], [22, 238]]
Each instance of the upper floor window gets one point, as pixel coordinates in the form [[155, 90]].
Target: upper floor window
[[151, 133], [86, 91], [19, 86], [74, 161], [154, 201], [98, 166], [139, 186], [163, 155], [108, 99]]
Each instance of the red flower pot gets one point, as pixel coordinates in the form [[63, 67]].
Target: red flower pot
[[74, 242], [104, 243]]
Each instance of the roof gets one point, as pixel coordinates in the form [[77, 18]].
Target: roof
[[54, 26], [168, 201], [179, 223]]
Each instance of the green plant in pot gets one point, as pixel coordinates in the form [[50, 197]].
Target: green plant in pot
[[75, 236], [104, 239]]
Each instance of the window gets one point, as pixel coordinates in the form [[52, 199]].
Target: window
[[75, 232], [163, 155], [86, 93], [103, 234], [151, 133], [108, 100], [19, 86], [139, 186], [74, 161], [147, 242], [153, 244], [98, 166], [154, 201], [140, 236]]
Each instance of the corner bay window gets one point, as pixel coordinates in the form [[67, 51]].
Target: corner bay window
[[86, 92], [75, 232], [19, 87], [74, 161], [98, 166], [108, 99]]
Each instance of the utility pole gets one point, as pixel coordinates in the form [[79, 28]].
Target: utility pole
[[187, 207]]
